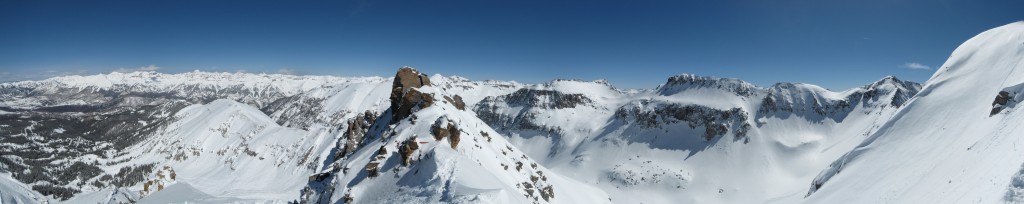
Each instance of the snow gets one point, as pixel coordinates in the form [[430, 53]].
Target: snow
[[478, 170], [185, 193], [107, 196], [233, 149], [584, 138], [943, 147], [12, 191], [672, 163]]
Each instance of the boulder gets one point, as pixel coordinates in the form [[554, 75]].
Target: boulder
[[407, 148], [1001, 99], [453, 136], [444, 128], [440, 128]]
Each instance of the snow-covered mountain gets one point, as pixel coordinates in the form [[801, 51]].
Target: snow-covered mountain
[[693, 139], [956, 142], [312, 138], [203, 137]]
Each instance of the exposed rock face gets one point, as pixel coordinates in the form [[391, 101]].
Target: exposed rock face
[[546, 99], [404, 96], [531, 99], [786, 98], [357, 128], [714, 121], [679, 83]]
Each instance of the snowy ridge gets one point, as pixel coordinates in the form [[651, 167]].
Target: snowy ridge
[[256, 89], [683, 82], [948, 144], [216, 148], [318, 136], [701, 135], [440, 153], [12, 191], [290, 84], [194, 137]]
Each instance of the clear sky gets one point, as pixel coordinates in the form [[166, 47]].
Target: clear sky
[[633, 44]]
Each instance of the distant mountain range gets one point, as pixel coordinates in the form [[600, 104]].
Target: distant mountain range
[[204, 137]]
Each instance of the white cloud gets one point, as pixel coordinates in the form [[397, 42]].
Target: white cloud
[[149, 68], [38, 75], [915, 65], [287, 71], [55, 73]]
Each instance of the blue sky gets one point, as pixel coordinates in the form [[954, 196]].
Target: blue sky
[[633, 44]]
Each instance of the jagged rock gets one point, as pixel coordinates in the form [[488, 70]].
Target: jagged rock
[[355, 131], [1001, 99], [456, 101], [453, 137], [488, 136], [714, 130], [445, 128], [547, 193], [440, 128], [373, 168], [406, 150], [404, 96]]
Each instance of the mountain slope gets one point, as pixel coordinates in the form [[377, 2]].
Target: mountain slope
[[946, 145], [197, 137], [12, 191], [693, 139], [425, 149]]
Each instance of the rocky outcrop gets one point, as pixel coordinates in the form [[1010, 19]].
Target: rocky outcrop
[[407, 148], [355, 130], [405, 95], [456, 101], [373, 168], [1001, 100], [445, 128]]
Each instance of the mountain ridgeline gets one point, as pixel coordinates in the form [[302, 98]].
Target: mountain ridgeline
[[68, 138], [201, 137]]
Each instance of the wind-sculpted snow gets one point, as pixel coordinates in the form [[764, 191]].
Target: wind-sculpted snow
[[947, 144]]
